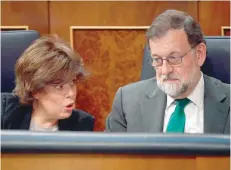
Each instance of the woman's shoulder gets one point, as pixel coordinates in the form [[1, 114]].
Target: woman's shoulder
[[9, 102], [81, 115], [83, 120], [13, 113]]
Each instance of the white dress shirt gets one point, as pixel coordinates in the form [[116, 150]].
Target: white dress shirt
[[194, 111]]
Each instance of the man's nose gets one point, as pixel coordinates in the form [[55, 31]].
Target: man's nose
[[166, 68]]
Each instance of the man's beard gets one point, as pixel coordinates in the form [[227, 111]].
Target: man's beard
[[172, 89]]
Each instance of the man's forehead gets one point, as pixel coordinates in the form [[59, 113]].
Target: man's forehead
[[172, 37], [161, 43], [164, 48]]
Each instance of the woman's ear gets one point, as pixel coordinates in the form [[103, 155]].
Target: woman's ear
[[38, 94], [35, 95], [201, 54]]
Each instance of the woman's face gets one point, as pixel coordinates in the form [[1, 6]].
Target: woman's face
[[56, 101]]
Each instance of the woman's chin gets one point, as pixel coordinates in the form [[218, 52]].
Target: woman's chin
[[65, 115]]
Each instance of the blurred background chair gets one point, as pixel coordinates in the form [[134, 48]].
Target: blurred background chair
[[13, 44], [217, 63]]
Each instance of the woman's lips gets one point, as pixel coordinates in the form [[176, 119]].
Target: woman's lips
[[69, 107]]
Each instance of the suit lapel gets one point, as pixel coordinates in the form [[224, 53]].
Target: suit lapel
[[21, 117], [215, 112], [153, 108], [27, 119]]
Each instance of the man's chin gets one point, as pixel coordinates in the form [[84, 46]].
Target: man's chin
[[171, 89], [171, 81]]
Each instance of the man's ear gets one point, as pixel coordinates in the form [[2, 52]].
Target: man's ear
[[201, 54]]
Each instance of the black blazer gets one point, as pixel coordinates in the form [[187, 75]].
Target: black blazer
[[17, 116]]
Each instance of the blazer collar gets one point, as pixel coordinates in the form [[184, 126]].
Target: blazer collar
[[215, 111], [153, 108]]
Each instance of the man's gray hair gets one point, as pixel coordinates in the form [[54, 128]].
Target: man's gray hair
[[173, 19]]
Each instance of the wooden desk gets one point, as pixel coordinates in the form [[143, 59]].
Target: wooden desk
[[77, 161], [114, 152]]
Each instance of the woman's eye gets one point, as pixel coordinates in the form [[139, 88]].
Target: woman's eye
[[59, 86], [74, 81]]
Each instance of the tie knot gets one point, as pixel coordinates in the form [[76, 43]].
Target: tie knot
[[182, 102]]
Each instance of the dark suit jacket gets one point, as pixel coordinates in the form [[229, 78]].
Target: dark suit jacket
[[17, 116], [140, 107]]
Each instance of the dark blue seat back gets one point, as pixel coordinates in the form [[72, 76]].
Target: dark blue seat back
[[217, 62], [13, 44]]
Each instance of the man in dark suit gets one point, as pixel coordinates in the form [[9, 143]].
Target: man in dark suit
[[180, 99]]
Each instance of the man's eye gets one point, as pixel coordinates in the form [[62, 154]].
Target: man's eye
[[173, 58], [157, 60]]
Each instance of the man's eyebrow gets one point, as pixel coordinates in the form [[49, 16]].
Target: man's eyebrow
[[173, 52], [155, 55]]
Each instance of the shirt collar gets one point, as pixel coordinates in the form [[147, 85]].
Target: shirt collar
[[170, 100], [196, 96]]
